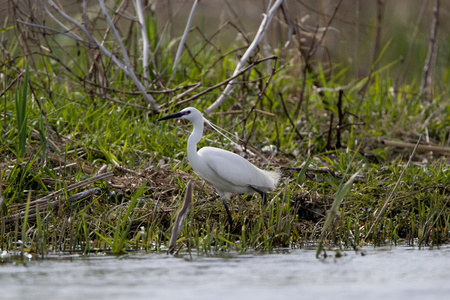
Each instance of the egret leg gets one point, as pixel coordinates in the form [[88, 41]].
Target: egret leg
[[230, 219], [263, 195]]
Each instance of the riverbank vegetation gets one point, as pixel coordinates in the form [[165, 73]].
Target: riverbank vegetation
[[85, 167]]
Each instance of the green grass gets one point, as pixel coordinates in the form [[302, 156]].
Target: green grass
[[66, 130], [21, 116]]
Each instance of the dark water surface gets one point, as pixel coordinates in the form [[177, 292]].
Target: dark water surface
[[383, 273]]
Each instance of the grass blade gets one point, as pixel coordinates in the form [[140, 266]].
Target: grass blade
[[21, 115], [304, 169], [124, 223], [341, 194]]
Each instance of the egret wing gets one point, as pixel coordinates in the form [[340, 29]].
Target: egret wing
[[230, 166]]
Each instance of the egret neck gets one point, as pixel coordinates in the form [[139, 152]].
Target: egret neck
[[193, 140]]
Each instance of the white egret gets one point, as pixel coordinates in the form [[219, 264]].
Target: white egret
[[227, 172]]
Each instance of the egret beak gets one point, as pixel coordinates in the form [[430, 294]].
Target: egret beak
[[172, 116]]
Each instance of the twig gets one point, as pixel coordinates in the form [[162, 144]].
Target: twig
[[158, 92], [327, 27], [183, 40], [258, 100], [124, 66], [421, 148], [261, 32], [225, 81], [145, 44], [289, 117], [307, 67], [117, 36], [388, 201], [124, 169], [292, 28], [431, 56], [322, 170], [124, 103], [11, 84], [69, 32], [72, 187], [72, 36], [96, 60], [211, 199], [139, 85], [188, 91], [32, 212]]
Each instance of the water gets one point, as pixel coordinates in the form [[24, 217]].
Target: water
[[383, 273]]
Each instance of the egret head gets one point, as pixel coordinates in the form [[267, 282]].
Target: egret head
[[189, 113]]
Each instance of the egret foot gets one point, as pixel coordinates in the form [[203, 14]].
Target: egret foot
[[230, 219]]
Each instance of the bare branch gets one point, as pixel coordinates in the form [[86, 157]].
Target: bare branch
[[229, 80], [183, 40], [432, 48], [124, 66], [145, 44], [139, 85], [261, 32]]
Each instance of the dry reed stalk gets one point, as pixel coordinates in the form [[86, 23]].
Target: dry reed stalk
[[267, 18], [432, 51]]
